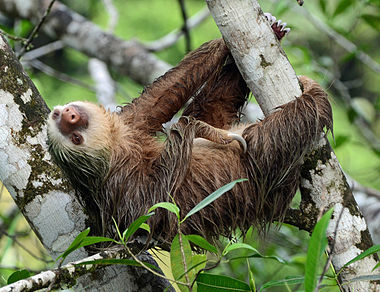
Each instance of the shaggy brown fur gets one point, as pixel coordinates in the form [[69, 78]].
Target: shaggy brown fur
[[120, 169]]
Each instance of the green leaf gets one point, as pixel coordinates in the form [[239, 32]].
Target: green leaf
[[177, 263], [341, 140], [372, 20], [198, 263], [322, 5], [145, 227], [117, 229], [343, 6], [135, 225], [218, 283], [258, 255], [291, 280], [317, 245], [211, 198], [166, 205], [375, 267], [126, 262], [238, 245], [252, 284], [202, 243], [363, 278], [368, 252], [94, 239], [17, 276], [75, 244]]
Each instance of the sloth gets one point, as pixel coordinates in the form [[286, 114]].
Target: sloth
[[119, 168]]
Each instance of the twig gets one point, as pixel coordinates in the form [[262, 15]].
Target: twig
[[11, 214], [341, 41], [113, 15], [357, 187], [149, 269], [360, 123], [42, 51], [69, 271], [171, 38], [14, 238], [185, 28], [35, 31], [183, 258], [59, 75], [12, 37], [104, 84]]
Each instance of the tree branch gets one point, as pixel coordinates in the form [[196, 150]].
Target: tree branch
[[127, 57], [172, 37], [57, 278]]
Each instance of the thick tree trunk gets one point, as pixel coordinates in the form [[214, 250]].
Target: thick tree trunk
[[46, 199], [273, 81]]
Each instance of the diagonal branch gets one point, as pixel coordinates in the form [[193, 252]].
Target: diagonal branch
[[127, 57]]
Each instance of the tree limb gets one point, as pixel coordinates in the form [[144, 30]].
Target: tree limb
[[172, 37], [127, 57]]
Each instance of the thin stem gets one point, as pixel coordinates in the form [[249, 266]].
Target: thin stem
[[35, 30]]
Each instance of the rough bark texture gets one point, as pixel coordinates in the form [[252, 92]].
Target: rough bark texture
[[263, 63], [256, 52], [45, 199], [128, 57]]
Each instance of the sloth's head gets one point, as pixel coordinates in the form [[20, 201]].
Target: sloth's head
[[79, 140]]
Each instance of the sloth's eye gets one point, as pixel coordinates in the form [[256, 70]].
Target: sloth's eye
[[76, 138]]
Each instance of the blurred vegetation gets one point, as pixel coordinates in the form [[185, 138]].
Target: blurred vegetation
[[309, 50]]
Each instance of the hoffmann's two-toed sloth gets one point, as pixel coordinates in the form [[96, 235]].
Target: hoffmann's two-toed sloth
[[121, 169]]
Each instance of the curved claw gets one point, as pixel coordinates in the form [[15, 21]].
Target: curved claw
[[278, 26], [270, 17], [240, 139]]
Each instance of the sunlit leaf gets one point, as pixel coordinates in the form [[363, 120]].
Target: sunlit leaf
[[317, 245], [75, 244], [166, 205], [238, 245], [145, 226], [211, 283], [201, 242], [211, 198], [291, 280], [135, 225], [177, 263], [198, 262]]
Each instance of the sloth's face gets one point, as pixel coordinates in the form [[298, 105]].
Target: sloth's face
[[82, 126]]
